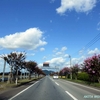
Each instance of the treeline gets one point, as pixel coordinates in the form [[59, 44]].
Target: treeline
[[17, 62], [89, 70]]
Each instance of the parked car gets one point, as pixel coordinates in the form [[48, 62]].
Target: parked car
[[55, 76]]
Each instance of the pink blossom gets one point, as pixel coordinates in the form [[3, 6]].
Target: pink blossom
[[87, 67], [93, 71]]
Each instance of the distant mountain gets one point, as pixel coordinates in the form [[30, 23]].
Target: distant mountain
[[47, 72]]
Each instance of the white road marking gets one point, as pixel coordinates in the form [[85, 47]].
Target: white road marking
[[56, 83], [71, 95], [22, 91], [51, 78]]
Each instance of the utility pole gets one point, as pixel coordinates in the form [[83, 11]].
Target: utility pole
[[4, 70], [70, 65]]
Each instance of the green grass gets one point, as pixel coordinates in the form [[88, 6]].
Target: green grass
[[84, 82], [5, 76], [5, 85]]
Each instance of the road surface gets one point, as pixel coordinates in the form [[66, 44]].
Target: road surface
[[57, 89]]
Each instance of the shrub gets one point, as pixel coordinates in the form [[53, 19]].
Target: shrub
[[83, 76]]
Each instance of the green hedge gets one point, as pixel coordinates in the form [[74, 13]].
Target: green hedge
[[83, 76]]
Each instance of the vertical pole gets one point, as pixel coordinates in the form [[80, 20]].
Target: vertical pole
[[70, 65], [3, 70], [24, 74], [55, 69]]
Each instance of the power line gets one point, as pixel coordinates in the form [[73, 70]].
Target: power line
[[90, 43], [93, 41]]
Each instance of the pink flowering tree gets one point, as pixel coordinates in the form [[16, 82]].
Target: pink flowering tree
[[75, 70], [92, 67], [65, 71]]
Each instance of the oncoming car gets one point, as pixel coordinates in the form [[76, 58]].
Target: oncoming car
[[55, 76]]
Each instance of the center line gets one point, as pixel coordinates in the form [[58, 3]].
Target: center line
[[56, 83], [71, 95]]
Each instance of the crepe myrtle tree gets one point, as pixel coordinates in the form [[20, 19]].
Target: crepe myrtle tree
[[75, 70], [31, 65], [17, 61], [39, 71], [60, 73], [92, 67], [65, 71]]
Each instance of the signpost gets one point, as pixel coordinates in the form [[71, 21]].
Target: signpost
[[46, 64]]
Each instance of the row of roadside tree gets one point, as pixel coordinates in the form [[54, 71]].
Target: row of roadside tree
[[89, 70], [17, 62]]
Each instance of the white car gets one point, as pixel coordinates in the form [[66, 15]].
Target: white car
[[55, 76]]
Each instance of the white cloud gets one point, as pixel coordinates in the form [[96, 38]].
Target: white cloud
[[40, 65], [89, 53], [59, 53], [82, 51], [44, 57], [58, 61], [42, 49], [63, 48], [98, 26], [78, 60], [95, 51], [50, 21], [66, 55], [55, 50], [31, 54], [52, 1], [62, 59], [77, 5], [30, 39]]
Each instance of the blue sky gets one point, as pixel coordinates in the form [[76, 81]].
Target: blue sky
[[50, 30]]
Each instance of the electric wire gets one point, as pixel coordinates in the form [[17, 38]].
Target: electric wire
[[90, 43], [93, 41]]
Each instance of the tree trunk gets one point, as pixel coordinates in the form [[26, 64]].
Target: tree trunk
[[76, 76], [10, 76], [71, 76], [17, 77], [29, 76], [99, 80]]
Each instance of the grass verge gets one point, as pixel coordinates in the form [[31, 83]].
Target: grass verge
[[5, 85], [97, 85]]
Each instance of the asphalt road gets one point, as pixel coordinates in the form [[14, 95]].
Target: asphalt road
[[57, 89]]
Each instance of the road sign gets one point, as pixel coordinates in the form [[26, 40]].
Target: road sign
[[46, 64]]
